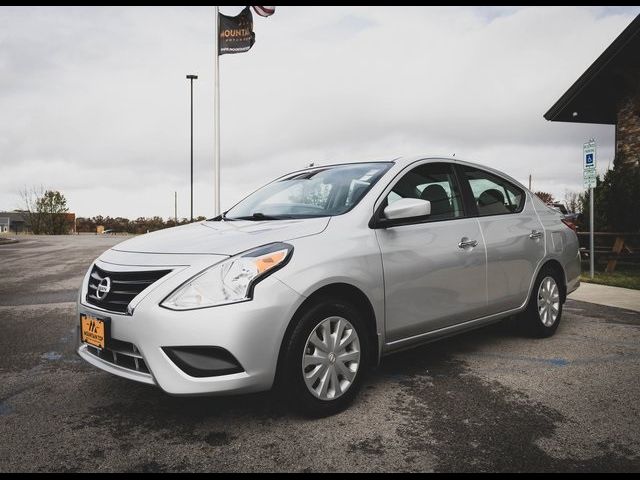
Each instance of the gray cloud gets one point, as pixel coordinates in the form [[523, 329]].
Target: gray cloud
[[94, 102]]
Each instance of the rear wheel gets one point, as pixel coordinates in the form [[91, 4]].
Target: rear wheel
[[325, 358], [544, 310]]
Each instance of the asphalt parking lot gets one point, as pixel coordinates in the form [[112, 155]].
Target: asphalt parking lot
[[490, 400]]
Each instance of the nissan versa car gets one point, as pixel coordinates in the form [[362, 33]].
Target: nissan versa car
[[312, 279]]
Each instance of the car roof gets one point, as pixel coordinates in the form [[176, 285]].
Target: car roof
[[404, 161]]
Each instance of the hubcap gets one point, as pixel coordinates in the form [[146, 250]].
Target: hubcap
[[331, 358], [548, 301]]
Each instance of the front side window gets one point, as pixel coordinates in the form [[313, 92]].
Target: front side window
[[321, 192], [435, 182], [493, 195]]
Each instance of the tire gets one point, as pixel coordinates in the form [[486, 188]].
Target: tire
[[544, 310], [333, 392]]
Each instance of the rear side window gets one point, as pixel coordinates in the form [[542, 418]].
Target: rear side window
[[493, 195]]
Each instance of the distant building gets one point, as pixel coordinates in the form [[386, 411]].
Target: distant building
[[13, 222], [70, 219], [608, 92], [16, 222]]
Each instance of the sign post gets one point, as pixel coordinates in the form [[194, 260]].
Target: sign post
[[590, 182]]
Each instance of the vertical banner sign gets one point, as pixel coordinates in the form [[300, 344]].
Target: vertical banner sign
[[236, 33], [232, 35], [589, 164]]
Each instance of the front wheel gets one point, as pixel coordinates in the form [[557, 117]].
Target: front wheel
[[325, 358], [544, 310]]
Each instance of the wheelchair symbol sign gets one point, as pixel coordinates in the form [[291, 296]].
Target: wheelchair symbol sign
[[589, 159], [589, 156]]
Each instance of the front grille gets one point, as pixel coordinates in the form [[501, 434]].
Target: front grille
[[124, 286], [123, 354]]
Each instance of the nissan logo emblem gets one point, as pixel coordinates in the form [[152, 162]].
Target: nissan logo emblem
[[104, 287]]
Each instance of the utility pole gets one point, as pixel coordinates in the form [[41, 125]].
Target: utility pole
[[175, 207], [191, 78], [529, 181]]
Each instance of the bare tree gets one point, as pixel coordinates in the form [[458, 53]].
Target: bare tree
[[33, 218], [545, 197], [572, 201]]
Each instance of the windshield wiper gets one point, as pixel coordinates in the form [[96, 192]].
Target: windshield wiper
[[220, 218], [257, 216]]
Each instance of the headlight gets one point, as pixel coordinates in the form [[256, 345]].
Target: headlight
[[230, 281]]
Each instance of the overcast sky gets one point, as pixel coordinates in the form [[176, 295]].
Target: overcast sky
[[94, 100]]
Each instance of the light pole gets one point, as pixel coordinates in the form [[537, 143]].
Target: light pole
[[191, 78]]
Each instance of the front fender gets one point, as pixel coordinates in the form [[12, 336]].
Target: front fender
[[317, 263]]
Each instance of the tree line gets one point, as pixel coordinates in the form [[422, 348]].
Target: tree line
[[46, 213], [125, 225]]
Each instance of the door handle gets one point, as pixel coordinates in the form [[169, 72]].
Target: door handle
[[466, 243], [535, 234]]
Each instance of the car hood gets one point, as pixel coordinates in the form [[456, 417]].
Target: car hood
[[222, 238]]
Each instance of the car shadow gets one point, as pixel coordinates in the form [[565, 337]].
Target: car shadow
[[434, 354], [149, 406]]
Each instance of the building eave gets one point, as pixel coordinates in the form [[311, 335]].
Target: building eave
[[594, 95]]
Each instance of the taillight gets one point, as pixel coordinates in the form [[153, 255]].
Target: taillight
[[570, 224]]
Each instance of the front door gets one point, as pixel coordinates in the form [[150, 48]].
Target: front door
[[434, 267]]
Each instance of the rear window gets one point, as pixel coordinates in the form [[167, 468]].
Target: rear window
[[494, 195]]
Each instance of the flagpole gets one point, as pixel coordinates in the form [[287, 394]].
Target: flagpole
[[216, 117]]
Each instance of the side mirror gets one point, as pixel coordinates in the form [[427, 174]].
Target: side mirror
[[407, 208]]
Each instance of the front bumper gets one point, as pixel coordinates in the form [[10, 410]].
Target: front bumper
[[251, 331]]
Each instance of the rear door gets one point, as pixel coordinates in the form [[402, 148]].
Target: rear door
[[512, 233]]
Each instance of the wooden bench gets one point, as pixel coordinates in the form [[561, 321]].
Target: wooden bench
[[611, 247]]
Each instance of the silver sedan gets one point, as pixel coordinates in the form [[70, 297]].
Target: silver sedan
[[308, 282]]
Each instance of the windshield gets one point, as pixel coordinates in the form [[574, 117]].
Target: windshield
[[320, 192]]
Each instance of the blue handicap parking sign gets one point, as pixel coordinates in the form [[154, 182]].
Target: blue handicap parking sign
[[589, 159]]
